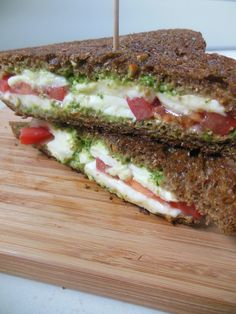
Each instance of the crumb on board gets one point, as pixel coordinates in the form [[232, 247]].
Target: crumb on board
[[87, 186], [111, 197], [144, 211]]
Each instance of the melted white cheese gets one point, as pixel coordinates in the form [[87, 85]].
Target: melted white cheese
[[187, 104], [39, 78], [129, 194], [28, 101], [129, 170], [84, 156], [62, 146], [144, 177], [113, 88], [109, 97], [99, 150], [108, 105]]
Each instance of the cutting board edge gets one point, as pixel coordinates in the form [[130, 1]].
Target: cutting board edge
[[117, 288], [77, 280]]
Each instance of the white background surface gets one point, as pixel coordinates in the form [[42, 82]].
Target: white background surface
[[32, 22], [21, 296], [29, 23]]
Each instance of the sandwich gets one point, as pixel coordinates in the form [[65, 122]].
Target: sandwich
[[154, 122], [159, 85], [180, 186]]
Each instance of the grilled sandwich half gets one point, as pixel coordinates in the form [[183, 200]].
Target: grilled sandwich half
[[169, 182], [159, 85]]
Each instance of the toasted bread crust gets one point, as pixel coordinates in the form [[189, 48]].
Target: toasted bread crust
[[209, 183], [175, 56], [179, 41]]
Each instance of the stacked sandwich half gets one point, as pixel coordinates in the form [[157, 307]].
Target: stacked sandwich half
[[154, 122]]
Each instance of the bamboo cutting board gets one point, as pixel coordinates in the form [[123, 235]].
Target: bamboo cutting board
[[57, 227]]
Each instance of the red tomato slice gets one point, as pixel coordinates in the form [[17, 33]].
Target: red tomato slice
[[186, 209], [156, 102], [217, 123], [138, 187], [101, 166], [57, 93], [22, 89], [7, 76], [4, 87], [34, 135], [160, 110], [141, 108]]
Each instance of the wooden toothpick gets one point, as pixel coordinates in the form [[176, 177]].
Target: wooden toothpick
[[116, 25]]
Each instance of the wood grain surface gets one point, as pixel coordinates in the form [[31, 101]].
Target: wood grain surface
[[58, 227]]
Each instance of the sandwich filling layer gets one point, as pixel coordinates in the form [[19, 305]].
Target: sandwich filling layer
[[91, 155], [112, 98]]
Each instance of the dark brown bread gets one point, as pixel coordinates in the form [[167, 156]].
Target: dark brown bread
[[56, 56], [209, 183], [175, 56]]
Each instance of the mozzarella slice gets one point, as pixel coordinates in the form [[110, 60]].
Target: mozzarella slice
[[62, 146], [187, 104], [41, 78], [128, 193]]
